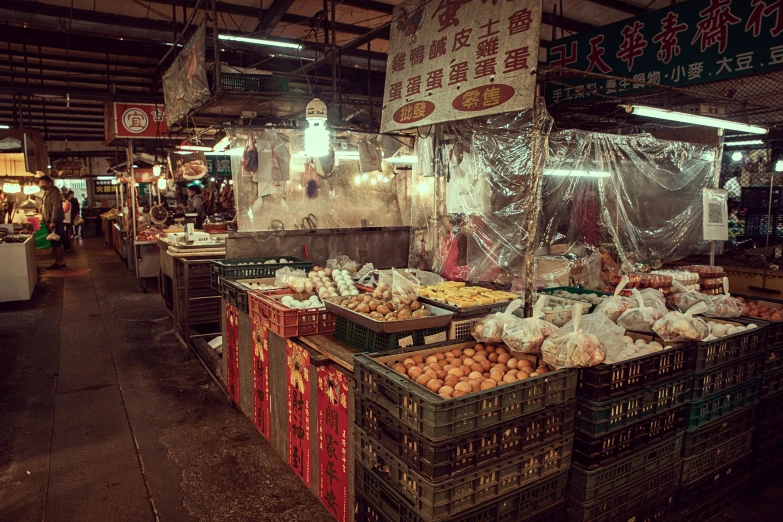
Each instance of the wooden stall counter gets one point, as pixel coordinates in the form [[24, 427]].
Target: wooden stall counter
[[338, 351]]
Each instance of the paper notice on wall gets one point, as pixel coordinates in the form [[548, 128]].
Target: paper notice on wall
[[715, 214]]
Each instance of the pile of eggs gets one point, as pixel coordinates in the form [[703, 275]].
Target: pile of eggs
[[280, 261], [312, 302], [457, 372], [331, 283], [722, 330], [258, 286], [593, 299], [632, 349]]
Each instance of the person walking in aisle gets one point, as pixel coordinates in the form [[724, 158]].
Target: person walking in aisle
[[52, 211], [76, 215], [67, 222]]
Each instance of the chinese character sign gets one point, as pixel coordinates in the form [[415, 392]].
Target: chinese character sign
[[135, 120], [333, 441], [231, 352], [441, 50], [261, 403], [692, 42], [299, 440]]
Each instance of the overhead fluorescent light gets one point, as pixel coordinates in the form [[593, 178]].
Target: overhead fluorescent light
[[259, 41], [31, 189], [402, 160], [694, 119], [236, 151], [222, 144], [743, 143], [580, 173], [4, 127], [195, 148], [105, 178], [347, 154], [12, 188]]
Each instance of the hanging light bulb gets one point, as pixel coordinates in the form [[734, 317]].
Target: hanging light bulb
[[357, 179], [736, 156], [31, 189], [115, 181], [316, 137], [156, 170], [12, 188], [162, 183], [779, 165]]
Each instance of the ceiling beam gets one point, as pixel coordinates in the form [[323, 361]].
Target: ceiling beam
[[370, 5], [81, 93], [8, 98], [38, 111], [568, 24], [270, 17], [622, 6], [71, 137], [114, 62], [35, 66], [20, 78]]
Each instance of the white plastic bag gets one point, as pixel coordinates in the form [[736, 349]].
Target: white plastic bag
[[724, 305], [676, 326], [528, 335], [490, 329], [643, 317], [574, 349], [614, 306], [610, 334], [685, 299]]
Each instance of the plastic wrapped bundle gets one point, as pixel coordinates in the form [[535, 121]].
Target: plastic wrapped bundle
[[651, 307], [573, 349], [610, 334], [724, 305], [528, 335], [616, 305], [490, 329], [686, 298], [677, 326]]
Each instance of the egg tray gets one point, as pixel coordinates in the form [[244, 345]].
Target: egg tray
[[705, 463], [266, 308], [437, 418], [623, 502], [586, 485], [592, 452], [575, 290], [705, 498], [730, 347], [713, 434], [464, 311], [370, 341], [436, 500], [438, 461], [717, 379], [605, 381], [595, 418], [523, 504], [438, 318], [716, 406], [234, 269]]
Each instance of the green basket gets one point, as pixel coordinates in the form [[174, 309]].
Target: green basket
[[369, 341], [252, 268]]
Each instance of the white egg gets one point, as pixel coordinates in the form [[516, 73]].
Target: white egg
[[346, 273], [343, 287], [640, 342], [751, 326], [627, 339], [345, 293], [283, 260], [321, 273], [354, 292]]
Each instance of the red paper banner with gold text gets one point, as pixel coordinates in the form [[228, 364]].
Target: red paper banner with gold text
[[299, 437], [262, 405], [231, 352], [333, 441]]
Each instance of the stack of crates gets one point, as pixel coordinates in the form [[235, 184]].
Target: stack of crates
[[498, 455], [629, 429], [718, 445], [768, 444]]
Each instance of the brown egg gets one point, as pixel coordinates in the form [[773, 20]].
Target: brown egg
[[467, 361], [464, 386], [524, 363], [409, 362], [478, 346], [451, 380], [414, 372], [456, 352], [441, 374], [444, 396], [493, 357], [466, 370], [431, 359], [456, 372], [440, 356], [511, 372], [522, 375], [503, 358], [479, 358], [502, 367], [496, 375], [489, 383], [464, 379], [534, 374], [418, 358], [458, 393], [400, 368], [490, 349], [512, 363], [474, 375], [446, 390], [509, 378], [447, 367], [434, 385], [542, 369], [423, 379], [435, 366], [421, 365], [475, 385], [476, 367], [469, 352], [500, 349], [481, 379], [486, 365], [432, 373]]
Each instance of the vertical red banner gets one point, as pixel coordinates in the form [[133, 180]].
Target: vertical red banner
[[262, 405], [299, 439], [231, 352], [333, 441]]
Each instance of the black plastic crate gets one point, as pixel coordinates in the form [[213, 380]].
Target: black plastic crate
[[724, 403], [605, 381], [369, 341], [586, 485], [661, 510], [436, 500], [703, 499], [716, 433], [441, 460], [767, 464], [591, 452], [437, 418], [703, 464], [524, 503], [729, 348], [722, 377], [595, 418], [773, 358], [768, 434], [771, 408], [252, 268], [621, 503], [771, 383]]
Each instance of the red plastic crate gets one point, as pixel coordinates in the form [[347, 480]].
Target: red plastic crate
[[266, 308]]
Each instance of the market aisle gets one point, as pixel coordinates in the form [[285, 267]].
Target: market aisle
[[113, 419]]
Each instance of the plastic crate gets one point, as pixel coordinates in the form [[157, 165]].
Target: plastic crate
[[602, 382], [714, 434], [716, 406], [771, 408], [771, 383], [230, 82], [288, 322], [767, 463], [586, 485], [437, 418], [729, 348], [461, 328], [703, 464], [768, 434], [661, 510], [595, 418], [252, 267], [592, 452], [773, 358], [720, 378], [622, 502], [523, 504], [774, 330], [437, 461], [368, 341], [437, 500], [703, 499]]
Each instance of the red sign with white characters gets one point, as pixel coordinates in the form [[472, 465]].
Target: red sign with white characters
[[333, 441], [139, 120], [299, 439], [231, 352], [262, 405]]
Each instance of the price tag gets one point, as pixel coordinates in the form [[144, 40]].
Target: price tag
[[435, 338], [405, 342]]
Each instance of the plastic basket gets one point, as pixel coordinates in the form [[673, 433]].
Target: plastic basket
[[252, 267], [595, 418], [605, 381], [773, 358], [720, 378], [703, 464], [461, 328], [724, 403], [767, 463], [729, 348], [586, 485], [714, 434], [288, 322], [438, 500], [621, 503], [437, 418], [771, 383], [768, 434], [366, 340], [437, 461], [705, 498], [591, 452], [522, 504]]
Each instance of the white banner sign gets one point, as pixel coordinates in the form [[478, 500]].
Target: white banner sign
[[716, 214], [455, 59]]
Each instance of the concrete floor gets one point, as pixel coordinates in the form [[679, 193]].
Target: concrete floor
[[104, 416]]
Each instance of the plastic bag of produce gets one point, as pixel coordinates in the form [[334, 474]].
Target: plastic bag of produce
[[527, 335], [677, 326], [610, 334], [723, 305], [685, 299], [294, 278], [641, 318], [405, 288], [573, 349], [490, 329], [614, 306]]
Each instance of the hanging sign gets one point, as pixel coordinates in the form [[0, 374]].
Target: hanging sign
[[134, 120], [70, 167], [456, 59], [333, 441], [219, 166], [185, 83], [715, 205], [262, 404], [688, 43], [299, 440], [231, 352], [188, 166]]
